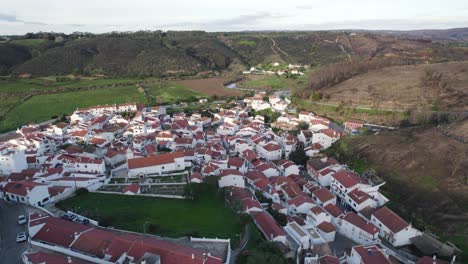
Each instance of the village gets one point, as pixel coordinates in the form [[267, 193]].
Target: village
[[332, 214]]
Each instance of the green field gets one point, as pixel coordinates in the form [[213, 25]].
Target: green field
[[206, 216], [69, 93], [42, 107], [28, 42], [273, 82], [169, 92]]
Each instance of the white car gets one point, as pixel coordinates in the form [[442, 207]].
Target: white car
[[22, 220], [21, 237]]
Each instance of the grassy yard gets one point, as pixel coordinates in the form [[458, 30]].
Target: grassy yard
[[206, 216], [42, 107]]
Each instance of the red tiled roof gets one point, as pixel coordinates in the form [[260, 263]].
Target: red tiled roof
[[49, 258], [229, 172], [323, 194], [359, 222], [300, 200], [21, 187], [154, 160], [250, 203], [133, 188], [358, 196], [333, 210], [371, 255], [390, 219], [347, 178], [267, 225], [328, 260], [326, 227], [236, 162]]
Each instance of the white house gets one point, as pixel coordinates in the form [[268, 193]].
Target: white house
[[287, 167], [357, 229], [270, 150], [27, 192], [231, 177], [327, 231], [323, 197], [156, 165], [325, 137], [12, 159], [393, 228], [300, 204], [269, 228], [82, 164], [368, 255]]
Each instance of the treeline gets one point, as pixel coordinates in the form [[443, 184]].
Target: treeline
[[332, 74]]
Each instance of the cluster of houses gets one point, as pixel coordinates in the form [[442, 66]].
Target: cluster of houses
[[47, 163], [261, 101], [278, 69]]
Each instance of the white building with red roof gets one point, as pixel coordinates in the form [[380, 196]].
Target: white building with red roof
[[357, 229], [156, 165], [231, 178], [12, 158], [27, 192], [287, 167], [367, 255], [326, 137], [323, 197], [269, 228], [393, 228], [300, 204], [269, 150], [131, 189], [82, 164]]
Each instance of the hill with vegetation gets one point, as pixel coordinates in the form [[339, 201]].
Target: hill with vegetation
[[426, 171], [158, 54]]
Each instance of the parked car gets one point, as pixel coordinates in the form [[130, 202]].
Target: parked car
[[22, 219], [70, 217], [21, 237], [82, 220]]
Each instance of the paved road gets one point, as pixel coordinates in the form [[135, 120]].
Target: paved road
[[10, 251], [242, 244]]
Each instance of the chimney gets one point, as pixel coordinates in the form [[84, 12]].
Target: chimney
[[434, 259], [69, 259], [193, 256]]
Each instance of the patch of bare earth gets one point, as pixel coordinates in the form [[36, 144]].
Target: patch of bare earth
[[405, 88], [426, 169], [210, 86]]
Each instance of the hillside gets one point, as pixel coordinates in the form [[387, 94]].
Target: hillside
[[426, 170], [439, 86], [157, 53]]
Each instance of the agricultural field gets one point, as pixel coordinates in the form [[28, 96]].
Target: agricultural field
[[43, 107], [169, 92], [210, 86], [266, 82], [206, 216], [55, 96]]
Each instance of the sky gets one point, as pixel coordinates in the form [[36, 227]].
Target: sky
[[98, 16]]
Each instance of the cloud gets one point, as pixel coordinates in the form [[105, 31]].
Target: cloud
[[228, 23], [307, 7], [14, 19]]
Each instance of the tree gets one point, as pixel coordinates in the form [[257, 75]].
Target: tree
[[303, 126], [299, 157]]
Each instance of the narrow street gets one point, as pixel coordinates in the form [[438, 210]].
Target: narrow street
[[10, 251], [242, 244]]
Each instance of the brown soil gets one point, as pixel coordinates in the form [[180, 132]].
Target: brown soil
[[402, 88]]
